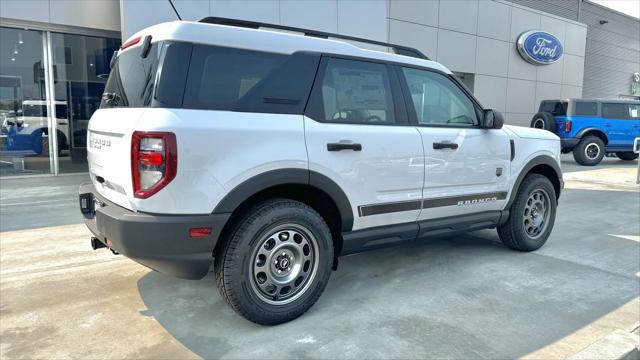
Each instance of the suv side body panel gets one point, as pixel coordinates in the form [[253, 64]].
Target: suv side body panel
[[383, 181], [219, 150]]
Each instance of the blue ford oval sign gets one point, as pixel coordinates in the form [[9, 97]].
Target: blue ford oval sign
[[539, 47]]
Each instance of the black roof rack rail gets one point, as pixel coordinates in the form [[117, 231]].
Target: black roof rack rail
[[398, 49]]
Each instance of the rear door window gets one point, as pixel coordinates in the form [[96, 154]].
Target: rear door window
[[353, 92], [586, 109]]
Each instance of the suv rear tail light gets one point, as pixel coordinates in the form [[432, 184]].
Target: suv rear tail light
[[567, 126], [154, 161]]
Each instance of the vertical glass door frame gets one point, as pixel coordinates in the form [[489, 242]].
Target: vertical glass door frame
[[49, 84], [49, 75]]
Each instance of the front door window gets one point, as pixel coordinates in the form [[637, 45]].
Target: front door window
[[438, 101]]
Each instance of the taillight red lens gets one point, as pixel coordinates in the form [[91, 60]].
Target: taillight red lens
[[567, 126], [148, 158], [154, 161]]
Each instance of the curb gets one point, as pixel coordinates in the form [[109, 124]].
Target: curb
[[619, 344]]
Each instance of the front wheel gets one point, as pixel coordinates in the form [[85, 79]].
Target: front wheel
[[276, 262], [589, 151], [531, 216], [627, 155]]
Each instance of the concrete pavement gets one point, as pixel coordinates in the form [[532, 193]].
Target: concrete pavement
[[27, 203], [455, 297]]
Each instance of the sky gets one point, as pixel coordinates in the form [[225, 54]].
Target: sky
[[629, 7]]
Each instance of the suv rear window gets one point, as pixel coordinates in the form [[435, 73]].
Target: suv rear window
[[182, 75], [615, 111], [132, 79], [219, 77], [557, 108], [222, 78], [586, 109]]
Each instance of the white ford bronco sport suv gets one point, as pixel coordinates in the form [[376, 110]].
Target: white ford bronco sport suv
[[270, 154]]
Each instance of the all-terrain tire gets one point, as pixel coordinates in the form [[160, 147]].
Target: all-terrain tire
[[627, 155], [238, 258], [544, 120], [589, 151], [517, 232]]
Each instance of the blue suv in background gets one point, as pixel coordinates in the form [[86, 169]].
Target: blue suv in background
[[592, 128]]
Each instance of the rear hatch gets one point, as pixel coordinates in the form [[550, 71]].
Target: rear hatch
[[128, 92], [109, 152]]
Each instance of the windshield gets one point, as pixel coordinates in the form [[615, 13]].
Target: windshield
[[132, 79]]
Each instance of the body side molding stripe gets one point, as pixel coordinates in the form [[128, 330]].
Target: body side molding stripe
[[468, 199], [385, 208]]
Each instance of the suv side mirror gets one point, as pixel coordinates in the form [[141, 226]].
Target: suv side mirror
[[492, 119]]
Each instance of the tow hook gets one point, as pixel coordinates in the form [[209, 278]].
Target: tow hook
[[97, 244]]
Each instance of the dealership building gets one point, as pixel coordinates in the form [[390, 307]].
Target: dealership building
[[55, 55]]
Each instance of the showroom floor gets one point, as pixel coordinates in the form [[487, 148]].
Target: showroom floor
[[456, 297]]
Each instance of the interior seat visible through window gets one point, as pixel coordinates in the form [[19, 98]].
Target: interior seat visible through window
[[354, 92]]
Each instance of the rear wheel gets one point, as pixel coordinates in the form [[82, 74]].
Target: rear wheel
[[531, 216], [276, 262], [627, 155], [544, 120], [589, 151]]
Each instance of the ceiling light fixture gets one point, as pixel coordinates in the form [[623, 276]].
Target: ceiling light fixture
[[15, 49], [20, 41]]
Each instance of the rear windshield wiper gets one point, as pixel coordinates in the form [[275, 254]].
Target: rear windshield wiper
[[110, 98]]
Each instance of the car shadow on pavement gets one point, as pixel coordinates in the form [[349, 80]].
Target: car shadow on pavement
[[462, 296]]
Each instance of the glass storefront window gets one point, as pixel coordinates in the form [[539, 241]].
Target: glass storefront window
[[79, 67], [24, 125]]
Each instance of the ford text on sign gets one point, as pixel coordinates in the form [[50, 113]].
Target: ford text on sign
[[539, 47]]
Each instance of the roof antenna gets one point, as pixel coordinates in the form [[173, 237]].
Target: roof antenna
[[174, 9]]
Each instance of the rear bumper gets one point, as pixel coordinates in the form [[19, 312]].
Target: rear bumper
[[160, 242], [569, 143]]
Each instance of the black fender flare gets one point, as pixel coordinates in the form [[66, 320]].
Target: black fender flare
[[538, 160], [582, 132], [278, 177]]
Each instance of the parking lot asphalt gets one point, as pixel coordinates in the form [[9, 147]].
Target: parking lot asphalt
[[464, 296]]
